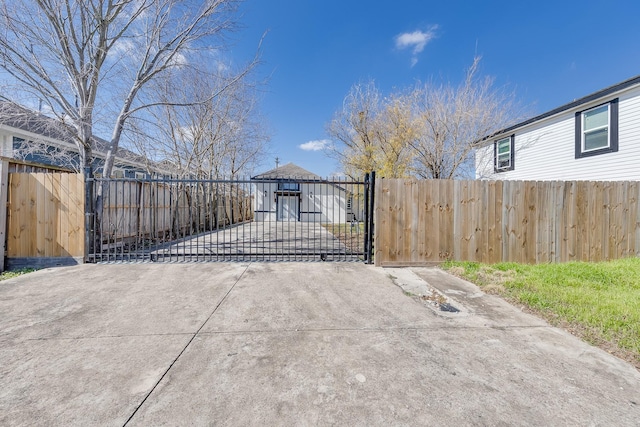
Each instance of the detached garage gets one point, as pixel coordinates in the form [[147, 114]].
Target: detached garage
[[291, 193]]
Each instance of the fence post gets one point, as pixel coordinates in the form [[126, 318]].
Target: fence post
[[88, 212], [4, 187]]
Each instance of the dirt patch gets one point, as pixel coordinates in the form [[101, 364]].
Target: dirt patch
[[352, 237]]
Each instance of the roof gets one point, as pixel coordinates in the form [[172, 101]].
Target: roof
[[289, 170], [22, 118], [576, 103], [19, 117]]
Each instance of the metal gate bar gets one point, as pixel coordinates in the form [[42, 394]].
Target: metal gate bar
[[167, 219]]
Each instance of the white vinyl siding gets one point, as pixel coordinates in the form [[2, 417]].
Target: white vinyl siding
[[545, 150]]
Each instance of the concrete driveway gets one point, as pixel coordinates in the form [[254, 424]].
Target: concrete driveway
[[259, 241], [289, 344]]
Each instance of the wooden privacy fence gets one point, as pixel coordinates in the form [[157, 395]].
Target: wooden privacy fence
[[422, 222], [45, 216], [167, 209]]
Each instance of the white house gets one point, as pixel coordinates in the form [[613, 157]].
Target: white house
[[595, 138], [291, 193]]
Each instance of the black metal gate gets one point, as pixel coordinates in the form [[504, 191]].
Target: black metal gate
[[187, 220]]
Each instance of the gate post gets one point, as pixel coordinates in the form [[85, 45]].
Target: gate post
[[366, 218], [372, 190], [88, 213]]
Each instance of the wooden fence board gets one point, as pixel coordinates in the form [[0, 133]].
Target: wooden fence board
[[449, 217], [50, 217], [596, 241], [32, 212], [17, 241], [63, 223], [429, 222], [39, 225], [632, 225]]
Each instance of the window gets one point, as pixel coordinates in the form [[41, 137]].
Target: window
[[597, 130], [503, 154], [288, 186]]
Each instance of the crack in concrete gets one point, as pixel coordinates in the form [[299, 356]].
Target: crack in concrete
[[185, 347]]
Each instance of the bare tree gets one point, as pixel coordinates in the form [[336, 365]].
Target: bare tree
[[449, 120], [72, 53], [428, 131], [208, 135], [371, 132]]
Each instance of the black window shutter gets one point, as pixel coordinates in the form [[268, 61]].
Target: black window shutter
[[578, 135], [513, 151], [613, 125]]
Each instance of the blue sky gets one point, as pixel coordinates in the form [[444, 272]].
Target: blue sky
[[548, 52]]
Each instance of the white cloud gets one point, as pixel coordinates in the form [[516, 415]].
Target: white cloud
[[417, 40], [121, 48], [179, 60], [317, 145]]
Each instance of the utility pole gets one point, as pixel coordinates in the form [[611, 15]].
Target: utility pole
[[277, 162]]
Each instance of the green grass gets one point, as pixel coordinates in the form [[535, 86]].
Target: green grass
[[355, 228], [15, 273], [599, 302]]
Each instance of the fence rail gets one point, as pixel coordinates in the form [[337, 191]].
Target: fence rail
[[421, 222]]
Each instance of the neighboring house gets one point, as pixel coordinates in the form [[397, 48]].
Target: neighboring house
[[35, 138], [291, 193], [594, 138]]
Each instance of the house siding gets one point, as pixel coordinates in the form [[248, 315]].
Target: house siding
[[545, 150]]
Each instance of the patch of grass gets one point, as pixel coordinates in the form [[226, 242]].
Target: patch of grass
[[350, 234], [15, 273], [599, 302], [355, 227]]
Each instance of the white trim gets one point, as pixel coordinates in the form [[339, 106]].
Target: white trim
[[508, 153], [596, 129]]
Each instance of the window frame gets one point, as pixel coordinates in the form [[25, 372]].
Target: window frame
[[496, 163], [612, 130], [291, 186]]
